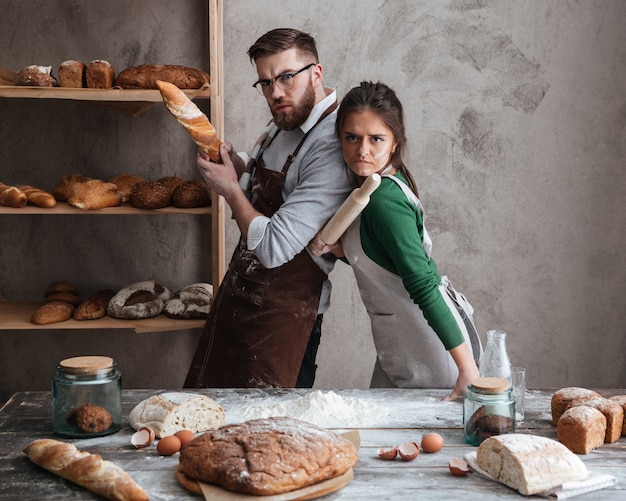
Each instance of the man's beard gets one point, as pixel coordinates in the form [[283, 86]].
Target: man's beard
[[301, 111]]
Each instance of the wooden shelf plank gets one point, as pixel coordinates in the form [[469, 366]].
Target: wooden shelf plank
[[63, 208], [15, 315]]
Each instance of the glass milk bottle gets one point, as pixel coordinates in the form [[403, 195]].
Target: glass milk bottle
[[495, 361]]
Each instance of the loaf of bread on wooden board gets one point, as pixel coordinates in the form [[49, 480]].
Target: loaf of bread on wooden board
[[94, 194], [99, 74], [95, 306], [52, 312], [36, 76], [192, 119], [83, 468], [72, 74], [529, 464], [581, 429], [612, 411], [145, 76], [144, 299], [192, 301], [267, 456], [621, 399], [167, 413], [37, 196]]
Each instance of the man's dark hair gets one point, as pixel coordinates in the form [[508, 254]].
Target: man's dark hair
[[281, 39]]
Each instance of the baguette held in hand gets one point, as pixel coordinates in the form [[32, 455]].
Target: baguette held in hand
[[85, 469], [192, 119]]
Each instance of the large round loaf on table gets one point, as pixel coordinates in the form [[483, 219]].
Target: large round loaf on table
[[529, 464], [267, 456], [167, 413]]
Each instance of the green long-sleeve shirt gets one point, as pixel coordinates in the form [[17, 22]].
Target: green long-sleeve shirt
[[392, 232]]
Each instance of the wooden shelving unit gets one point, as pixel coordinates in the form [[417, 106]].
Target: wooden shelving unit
[[15, 315]]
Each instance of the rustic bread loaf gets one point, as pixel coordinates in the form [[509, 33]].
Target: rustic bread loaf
[[125, 184], [12, 196], [52, 312], [529, 464], [68, 297], [61, 286], [145, 76], [561, 398], [192, 301], [621, 399], [612, 411], [94, 194], [37, 196], [150, 195], [581, 429], [85, 469], [72, 74], [65, 188], [267, 456], [139, 300], [190, 194], [99, 74], [170, 412], [36, 76], [95, 306], [170, 182]]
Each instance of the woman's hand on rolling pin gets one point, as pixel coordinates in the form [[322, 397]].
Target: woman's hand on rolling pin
[[318, 247], [221, 178]]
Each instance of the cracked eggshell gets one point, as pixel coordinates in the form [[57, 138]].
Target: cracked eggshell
[[458, 467], [143, 437], [388, 454], [408, 451]]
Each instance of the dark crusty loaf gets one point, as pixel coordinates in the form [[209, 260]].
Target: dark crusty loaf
[[612, 411], [192, 301], [170, 182], [149, 195], [145, 76], [561, 398], [267, 456], [581, 429], [190, 194], [36, 76]]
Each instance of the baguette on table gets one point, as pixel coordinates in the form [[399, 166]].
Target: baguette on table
[[83, 468], [192, 119]]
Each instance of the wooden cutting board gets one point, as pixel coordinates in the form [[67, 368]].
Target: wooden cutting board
[[216, 493]]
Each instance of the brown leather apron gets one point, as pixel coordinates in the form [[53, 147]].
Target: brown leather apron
[[261, 319]]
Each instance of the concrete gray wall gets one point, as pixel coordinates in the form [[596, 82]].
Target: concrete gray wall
[[516, 115]]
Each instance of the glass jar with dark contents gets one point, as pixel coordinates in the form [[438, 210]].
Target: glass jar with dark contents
[[86, 397], [488, 409]]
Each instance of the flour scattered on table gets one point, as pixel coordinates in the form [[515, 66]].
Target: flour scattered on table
[[325, 409]]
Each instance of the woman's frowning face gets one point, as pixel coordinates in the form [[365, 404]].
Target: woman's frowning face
[[366, 142]]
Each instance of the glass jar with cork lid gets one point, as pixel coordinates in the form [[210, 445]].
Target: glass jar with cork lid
[[86, 397], [488, 409]]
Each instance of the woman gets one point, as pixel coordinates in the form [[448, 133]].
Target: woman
[[389, 250]]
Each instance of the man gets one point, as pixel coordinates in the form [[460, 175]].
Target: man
[[274, 293]]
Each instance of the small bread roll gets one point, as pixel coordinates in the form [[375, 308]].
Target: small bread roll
[[191, 194], [150, 195], [52, 312]]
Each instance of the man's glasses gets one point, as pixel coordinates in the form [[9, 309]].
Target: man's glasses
[[284, 81]]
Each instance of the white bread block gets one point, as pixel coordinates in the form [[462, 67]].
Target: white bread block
[[170, 412], [529, 464]]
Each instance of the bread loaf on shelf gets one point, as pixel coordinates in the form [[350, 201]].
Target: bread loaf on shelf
[[94, 194], [170, 182], [139, 300], [12, 196], [95, 306], [125, 184], [100, 74], [612, 411], [68, 297], [192, 301], [621, 399], [61, 286], [72, 74], [37, 196], [145, 76], [529, 464], [87, 470], [561, 398], [190, 194], [150, 195], [65, 188], [36, 76], [52, 312], [581, 429]]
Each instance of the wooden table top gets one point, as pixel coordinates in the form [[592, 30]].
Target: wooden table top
[[382, 417]]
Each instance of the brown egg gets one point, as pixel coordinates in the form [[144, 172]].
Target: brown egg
[[168, 445], [432, 442], [185, 436]]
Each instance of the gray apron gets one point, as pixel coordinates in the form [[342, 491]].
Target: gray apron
[[409, 352]]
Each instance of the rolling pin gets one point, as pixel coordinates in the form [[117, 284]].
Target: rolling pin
[[349, 210]]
